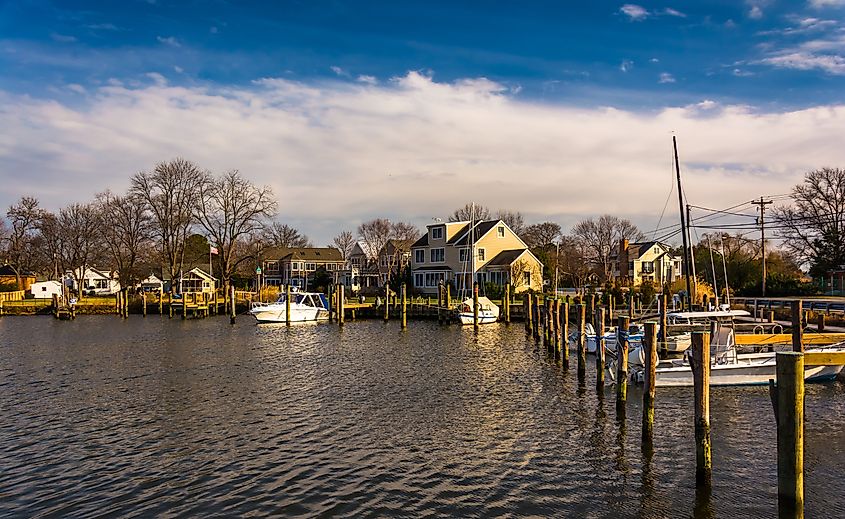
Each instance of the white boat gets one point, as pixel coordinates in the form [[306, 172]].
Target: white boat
[[727, 367], [488, 312], [304, 306]]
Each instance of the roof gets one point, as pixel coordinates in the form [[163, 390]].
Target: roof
[[402, 245], [506, 257], [481, 228], [303, 253], [441, 268], [642, 247], [7, 270], [422, 242]]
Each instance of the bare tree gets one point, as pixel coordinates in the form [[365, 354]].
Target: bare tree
[[21, 251], [376, 234], [602, 235], [77, 229], [470, 212], [127, 232], [514, 220], [813, 228], [231, 209], [573, 261], [283, 235], [542, 235], [344, 242], [172, 193]]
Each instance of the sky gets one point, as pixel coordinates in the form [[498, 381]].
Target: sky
[[407, 110]]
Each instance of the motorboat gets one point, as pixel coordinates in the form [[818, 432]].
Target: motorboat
[[488, 312], [304, 306], [727, 367]]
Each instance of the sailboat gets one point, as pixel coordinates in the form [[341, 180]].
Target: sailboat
[[488, 312]]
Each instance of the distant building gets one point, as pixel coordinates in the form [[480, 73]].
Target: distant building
[[95, 281], [834, 282], [8, 280], [195, 281], [153, 283], [393, 258], [297, 266], [650, 261], [443, 253], [46, 289]]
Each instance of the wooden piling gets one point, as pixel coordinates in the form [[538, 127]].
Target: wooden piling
[[332, 301], [528, 306], [448, 300], [631, 305], [161, 301], [386, 302], [622, 359], [170, 305], [599, 326], [700, 361], [287, 304], [664, 324], [144, 304], [650, 349], [233, 309], [591, 310], [790, 433], [582, 341], [184, 305], [610, 308], [341, 301], [820, 322], [547, 324], [797, 327], [556, 326], [507, 304], [405, 306], [536, 313]]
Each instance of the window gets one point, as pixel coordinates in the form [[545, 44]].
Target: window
[[419, 255], [418, 280], [43, 289], [272, 266], [526, 278], [481, 254], [463, 255], [500, 231], [438, 255], [432, 279], [437, 233], [310, 266], [295, 265]]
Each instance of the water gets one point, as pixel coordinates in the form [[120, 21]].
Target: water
[[102, 416]]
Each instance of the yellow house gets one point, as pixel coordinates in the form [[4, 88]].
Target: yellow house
[[445, 253], [646, 261]]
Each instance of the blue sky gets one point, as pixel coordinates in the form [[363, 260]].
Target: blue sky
[[403, 109]]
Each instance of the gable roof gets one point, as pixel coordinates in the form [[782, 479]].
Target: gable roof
[[461, 238], [303, 254], [506, 257], [7, 270], [643, 247], [422, 242]]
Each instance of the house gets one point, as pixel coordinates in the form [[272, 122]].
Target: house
[[834, 283], [367, 272], [195, 281], [8, 279], [445, 252], [46, 289], [297, 266], [152, 283], [393, 258], [649, 261], [95, 281]]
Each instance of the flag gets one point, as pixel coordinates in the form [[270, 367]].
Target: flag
[[214, 250]]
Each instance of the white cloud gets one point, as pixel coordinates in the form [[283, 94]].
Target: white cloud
[[169, 40], [738, 72], [654, 60], [337, 152], [666, 77], [370, 80], [339, 71], [830, 63], [674, 12], [626, 65], [75, 87], [62, 38], [634, 12], [178, 69], [821, 4]]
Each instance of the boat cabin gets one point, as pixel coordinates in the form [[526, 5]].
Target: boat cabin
[[313, 300]]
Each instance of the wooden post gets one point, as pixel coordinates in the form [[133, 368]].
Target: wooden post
[[700, 361], [610, 308], [664, 324], [184, 305], [650, 349], [547, 323], [287, 304], [631, 305], [386, 302], [405, 306], [536, 324], [564, 336], [116, 302], [820, 322], [582, 341], [55, 305], [790, 433], [161, 301], [170, 305], [797, 327], [556, 327], [440, 302], [507, 303], [341, 301], [448, 299], [529, 305], [233, 308], [144, 304], [475, 304], [333, 306], [599, 326], [591, 310], [622, 359]]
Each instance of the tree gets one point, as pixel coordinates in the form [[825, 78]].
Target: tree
[[172, 194], [21, 251], [542, 235], [231, 209], [470, 212], [573, 261], [127, 233], [514, 220], [344, 242], [375, 235], [285, 236], [78, 227], [602, 235], [813, 227]]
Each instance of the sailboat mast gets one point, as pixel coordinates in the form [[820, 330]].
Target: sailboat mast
[[472, 245], [684, 228]]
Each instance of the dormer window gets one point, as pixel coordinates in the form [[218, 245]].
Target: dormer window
[[437, 233], [501, 231]]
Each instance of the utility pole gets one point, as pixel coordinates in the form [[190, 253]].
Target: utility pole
[[684, 230], [762, 204]]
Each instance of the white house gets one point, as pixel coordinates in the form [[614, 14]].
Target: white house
[[196, 281], [152, 283], [46, 289], [101, 282]]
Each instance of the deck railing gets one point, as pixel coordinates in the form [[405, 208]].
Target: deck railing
[[17, 295]]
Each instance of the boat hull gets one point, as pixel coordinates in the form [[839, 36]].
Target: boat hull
[[467, 319], [740, 374], [277, 315]]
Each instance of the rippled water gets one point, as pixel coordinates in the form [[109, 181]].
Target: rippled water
[[170, 417]]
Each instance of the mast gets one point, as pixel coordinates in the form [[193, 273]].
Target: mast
[[684, 228], [472, 245]]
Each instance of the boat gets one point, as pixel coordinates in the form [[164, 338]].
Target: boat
[[727, 367], [304, 306], [488, 312]]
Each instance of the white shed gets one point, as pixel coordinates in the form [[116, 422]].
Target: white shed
[[45, 289]]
